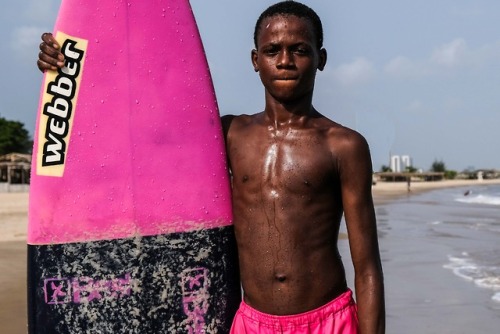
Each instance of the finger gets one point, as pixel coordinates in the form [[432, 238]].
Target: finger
[[50, 55], [49, 49], [49, 39], [43, 66], [50, 60]]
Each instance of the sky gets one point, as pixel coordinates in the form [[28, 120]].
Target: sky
[[417, 78]]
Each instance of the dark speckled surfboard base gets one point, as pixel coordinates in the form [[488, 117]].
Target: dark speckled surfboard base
[[158, 284]]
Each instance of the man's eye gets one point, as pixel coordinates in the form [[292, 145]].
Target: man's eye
[[301, 51], [271, 51]]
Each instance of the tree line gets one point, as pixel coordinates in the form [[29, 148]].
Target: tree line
[[14, 138]]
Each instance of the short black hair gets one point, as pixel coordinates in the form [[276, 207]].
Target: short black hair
[[293, 8]]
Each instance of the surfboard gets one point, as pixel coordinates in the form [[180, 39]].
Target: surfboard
[[130, 222]]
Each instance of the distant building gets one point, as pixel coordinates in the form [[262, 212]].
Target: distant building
[[15, 168], [399, 163], [479, 174]]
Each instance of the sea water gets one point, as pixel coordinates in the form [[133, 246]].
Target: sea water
[[466, 221], [481, 216]]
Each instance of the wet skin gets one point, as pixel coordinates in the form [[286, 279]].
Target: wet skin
[[287, 236], [294, 173]]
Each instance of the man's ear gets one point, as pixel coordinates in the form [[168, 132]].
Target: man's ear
[[255, 56], [322, 59]]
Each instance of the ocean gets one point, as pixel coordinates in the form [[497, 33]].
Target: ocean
[[464, 221], [479, 212], [440, 253]]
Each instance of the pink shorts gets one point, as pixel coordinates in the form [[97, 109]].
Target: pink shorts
[[338, 316]]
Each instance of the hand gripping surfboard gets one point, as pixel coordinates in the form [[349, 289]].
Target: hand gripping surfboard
[[130, 222]]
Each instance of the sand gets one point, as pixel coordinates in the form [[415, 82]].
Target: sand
[[13, 227]]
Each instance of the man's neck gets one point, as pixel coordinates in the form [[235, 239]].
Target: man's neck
[[279, 114]]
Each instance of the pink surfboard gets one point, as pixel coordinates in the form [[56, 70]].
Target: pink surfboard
[[130, 223]]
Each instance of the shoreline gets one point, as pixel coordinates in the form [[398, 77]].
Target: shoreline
[[384, 192]]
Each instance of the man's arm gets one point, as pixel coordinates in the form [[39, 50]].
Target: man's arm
[[355, 169], [50, 56], [226, 121]]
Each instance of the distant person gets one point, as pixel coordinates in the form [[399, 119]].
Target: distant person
[[295, 173]]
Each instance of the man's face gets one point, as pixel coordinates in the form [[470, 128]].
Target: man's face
[[287, 57]]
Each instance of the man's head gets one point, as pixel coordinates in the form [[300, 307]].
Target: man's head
[[294, 8], [288, 52]]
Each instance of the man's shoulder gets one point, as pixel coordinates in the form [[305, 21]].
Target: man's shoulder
[[337, 130], [231, 121], [234, 125], [245, 118], [340, 136]]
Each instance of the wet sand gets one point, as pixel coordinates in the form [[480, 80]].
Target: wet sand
[[13, 226], [13, 312], [406, 301]]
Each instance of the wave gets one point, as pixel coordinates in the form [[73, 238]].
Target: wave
[[471, 198], [490, 196], [483, 276]]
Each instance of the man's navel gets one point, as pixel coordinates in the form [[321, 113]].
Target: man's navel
[[280, 278]]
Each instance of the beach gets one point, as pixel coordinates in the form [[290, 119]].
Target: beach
[[13, 227], [424, 290]]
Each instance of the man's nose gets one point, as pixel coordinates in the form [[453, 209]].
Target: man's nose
[[285, 58]]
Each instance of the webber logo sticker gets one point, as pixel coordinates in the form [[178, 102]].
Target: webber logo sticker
[[58, 107]]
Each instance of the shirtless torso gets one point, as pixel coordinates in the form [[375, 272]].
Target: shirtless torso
[[288, 207]]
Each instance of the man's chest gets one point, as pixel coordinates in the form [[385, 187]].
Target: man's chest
[[286, 163]]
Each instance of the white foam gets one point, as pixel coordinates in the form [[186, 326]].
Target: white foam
[[488, 283], [470, 273], [482, 276], [462, 267], [457, 262], [480, 199]]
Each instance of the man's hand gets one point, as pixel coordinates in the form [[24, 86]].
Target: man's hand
[[49, 57]]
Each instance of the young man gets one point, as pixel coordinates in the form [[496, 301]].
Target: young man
[[295, 173]]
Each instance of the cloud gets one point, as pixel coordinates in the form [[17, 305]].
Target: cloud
[[403, 67], [453, 55], [450, 54], [25, 40], [357, 72], [415, 106], [486, 55], [42, 12], [34, 18]]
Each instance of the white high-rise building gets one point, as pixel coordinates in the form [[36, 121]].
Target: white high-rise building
[[399, 163]]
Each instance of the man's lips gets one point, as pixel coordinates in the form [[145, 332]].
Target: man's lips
[[285, 76], [285, 79]]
